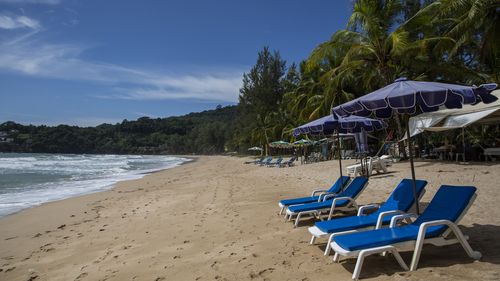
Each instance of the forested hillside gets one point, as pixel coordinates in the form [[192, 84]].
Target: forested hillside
[[205, 132]]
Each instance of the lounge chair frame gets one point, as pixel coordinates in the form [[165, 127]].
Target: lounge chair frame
[[415, 245], [317, 233], [317, 192], [321, 213]]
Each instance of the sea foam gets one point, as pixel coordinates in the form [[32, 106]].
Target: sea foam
[[28, 180]]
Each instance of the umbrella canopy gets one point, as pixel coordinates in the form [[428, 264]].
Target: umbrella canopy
[[332, 123], [279, 144], [409, 97], [329, 124], [303, 142], [255, 148]]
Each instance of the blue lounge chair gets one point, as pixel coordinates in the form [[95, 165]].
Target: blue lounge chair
[[266, 161], [260, 161], [277, 162], [399, 202], [316, 195], [288, 163], [256, 161], [439, 219], [343, 201]]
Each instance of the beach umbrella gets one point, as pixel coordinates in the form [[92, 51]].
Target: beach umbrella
[[303, 142], [279, 144], [330, 124], [412, 97], [256, 148]]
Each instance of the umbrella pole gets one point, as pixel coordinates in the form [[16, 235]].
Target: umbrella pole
[[410, 148], [463, 144], [340, 155]]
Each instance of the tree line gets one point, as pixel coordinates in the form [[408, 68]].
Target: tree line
[[448, 41], [205, 132]]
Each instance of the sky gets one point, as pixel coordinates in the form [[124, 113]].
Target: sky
[[87, 62]]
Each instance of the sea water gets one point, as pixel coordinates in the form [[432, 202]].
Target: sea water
[[27, 180]]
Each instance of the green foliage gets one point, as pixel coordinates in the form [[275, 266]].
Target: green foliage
[[206, 132], [262, 115]]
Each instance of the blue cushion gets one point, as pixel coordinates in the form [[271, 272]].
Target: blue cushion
[[353, 189], [316, 206], [448, 203], [346, 223], [336, 187], [401, 199], [301, 200], [375, 238]]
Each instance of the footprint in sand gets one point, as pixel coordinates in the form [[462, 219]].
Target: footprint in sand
[[214, 265], [82, 275]]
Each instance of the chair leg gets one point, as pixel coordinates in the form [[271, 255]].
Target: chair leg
[[297, 220], [336, 257], [313, 238], [364, 253], [328, 247]]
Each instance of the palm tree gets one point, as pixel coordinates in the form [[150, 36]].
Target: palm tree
[[474, 23]]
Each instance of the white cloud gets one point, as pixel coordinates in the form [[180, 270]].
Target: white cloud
[[48, 2], [218, 87], [15, 22], [63, 61]]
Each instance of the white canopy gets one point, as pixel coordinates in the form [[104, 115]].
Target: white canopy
[[448, 119]]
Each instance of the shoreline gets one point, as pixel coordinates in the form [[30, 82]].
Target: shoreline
[[217, 220], [107, 187]]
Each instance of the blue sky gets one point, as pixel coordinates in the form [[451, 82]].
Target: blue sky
[[86, 62]]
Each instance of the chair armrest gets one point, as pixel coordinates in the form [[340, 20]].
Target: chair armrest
[[382, 215], [398, 218], [334, 203], [328, 196], [318, 191], [367, 207], [323, 196]]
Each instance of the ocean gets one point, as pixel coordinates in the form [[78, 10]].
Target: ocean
[[28, 180]]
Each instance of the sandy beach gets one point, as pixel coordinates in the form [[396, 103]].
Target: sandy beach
[[217, 219]]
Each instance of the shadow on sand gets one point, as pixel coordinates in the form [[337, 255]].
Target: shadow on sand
[[483, 238]]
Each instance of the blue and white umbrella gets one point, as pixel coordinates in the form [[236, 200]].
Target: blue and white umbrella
[[413, 97], [329, 124], [332, 123]]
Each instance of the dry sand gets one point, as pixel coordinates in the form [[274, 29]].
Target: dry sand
[[216, 219]]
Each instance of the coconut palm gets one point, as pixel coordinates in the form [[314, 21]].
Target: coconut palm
[[474, 23]]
